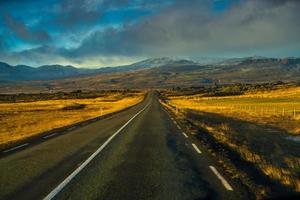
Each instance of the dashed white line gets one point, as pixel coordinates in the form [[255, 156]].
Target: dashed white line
[[196, 148], [185, 135], [51, 135], [69, 129], [178, 127], [109, 118], [15, 148], [58, 188], [222, 179]]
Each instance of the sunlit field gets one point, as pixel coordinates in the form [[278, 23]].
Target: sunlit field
[[263, 127], [19, 121], [279, 108]]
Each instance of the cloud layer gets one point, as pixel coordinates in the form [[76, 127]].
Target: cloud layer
[[23, 32], [179, 28], [187, 28]]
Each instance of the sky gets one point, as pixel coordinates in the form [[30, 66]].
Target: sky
[[97, 33]]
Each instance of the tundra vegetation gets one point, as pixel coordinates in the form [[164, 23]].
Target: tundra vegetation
[[261, 123], [24, 116]]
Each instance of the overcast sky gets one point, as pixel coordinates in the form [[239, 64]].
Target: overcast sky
[[95, 33]]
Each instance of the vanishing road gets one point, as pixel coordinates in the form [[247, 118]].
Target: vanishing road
[[139, 153]]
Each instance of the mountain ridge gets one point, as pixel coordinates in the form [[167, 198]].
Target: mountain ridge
[[239, 69], [55, 71]]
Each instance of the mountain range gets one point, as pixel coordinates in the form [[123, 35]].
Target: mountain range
[[151, 73], [50, 72]]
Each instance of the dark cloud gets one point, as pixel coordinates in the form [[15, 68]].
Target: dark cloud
[[72, 13], [183, 28], [189, 28], [2, 44], [14, 1], [23, 32], [78, 12]]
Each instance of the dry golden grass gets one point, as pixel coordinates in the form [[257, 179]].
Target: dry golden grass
[[280, 108], [19, 121], [286, 174]]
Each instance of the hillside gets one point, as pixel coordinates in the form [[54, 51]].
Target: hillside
[[48, 72], [164, 74]]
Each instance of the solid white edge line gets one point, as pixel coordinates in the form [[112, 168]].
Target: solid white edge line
[[17, 147], [185, 135], [51, 135], [196, 148], [58, 188], [221, 178]]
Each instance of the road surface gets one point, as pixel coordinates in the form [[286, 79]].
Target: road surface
[[140, 153]]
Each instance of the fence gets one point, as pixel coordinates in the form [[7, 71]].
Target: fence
[[263, 110]]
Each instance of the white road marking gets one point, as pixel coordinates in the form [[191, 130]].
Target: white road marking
[[15, 148], [222, 179], [58, 188], [51, 135], [196, 148], [178, 127], [69, 129], [108, 118], [185, 135], [175, 122]]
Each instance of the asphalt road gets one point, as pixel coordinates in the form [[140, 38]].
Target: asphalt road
[[140, 153]]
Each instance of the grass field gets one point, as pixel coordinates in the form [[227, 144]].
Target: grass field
[[19, 121], [258, 125], [279, 108]]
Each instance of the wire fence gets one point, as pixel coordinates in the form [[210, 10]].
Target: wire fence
[[262, 110], [289, 110]]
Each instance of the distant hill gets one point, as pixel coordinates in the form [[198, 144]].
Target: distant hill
[[23, 72], [50, 72], [158, 62], [154, 73]]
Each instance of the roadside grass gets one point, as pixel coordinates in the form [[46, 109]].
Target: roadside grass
[[248, 125], [262, 145], [19, 121], [279, 108]]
